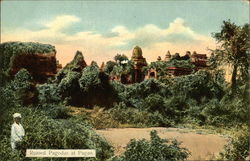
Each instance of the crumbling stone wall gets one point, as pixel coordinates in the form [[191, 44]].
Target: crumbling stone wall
[[40, 66]]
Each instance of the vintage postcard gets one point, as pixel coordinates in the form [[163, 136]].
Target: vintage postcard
[[127, 80]]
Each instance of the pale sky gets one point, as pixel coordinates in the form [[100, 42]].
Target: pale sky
[[101, 29]]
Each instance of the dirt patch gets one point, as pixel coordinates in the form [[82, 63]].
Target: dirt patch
[[201, 146]]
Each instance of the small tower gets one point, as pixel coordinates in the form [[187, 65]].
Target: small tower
[[194, 56], [159, 58], [188, 53], [102, 67], [167, 56], [139, 62]]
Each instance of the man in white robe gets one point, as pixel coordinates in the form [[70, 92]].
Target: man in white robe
[[17, 131]]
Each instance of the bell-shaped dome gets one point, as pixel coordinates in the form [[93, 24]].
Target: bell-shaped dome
[[137, 52]]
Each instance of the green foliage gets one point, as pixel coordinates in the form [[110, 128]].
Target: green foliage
[[234, 49], [229, 112], [77, 64], [69, 87], [181, 63], [134, 95], [79, 88], [109, 66], [73, 68], [95, 88], [234, 43], [197, 86], [22, 87], [55, 111], [238, 147], [7, 101], [42, 132], [90, 78], [153, 150], [101, 119], [21, 79], [195, 115], [175, 108], [117, 70], [137, 117], [160, 66], [6, 152], [153, 102], [123, 68], [48, 93], [120, 57]]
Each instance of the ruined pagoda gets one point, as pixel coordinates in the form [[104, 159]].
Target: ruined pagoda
[[139, 62]]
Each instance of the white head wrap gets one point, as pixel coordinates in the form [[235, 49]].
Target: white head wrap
[[15, 115]]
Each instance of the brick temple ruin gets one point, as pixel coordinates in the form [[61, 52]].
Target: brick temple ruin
[[198, 60], [139, 62], [40, 66], [43, 66]]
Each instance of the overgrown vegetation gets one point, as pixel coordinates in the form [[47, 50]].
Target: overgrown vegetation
[[120, 117], [238, 147], [9, 50], [47, 125], [202, 98], [234, 51], [155, 149]]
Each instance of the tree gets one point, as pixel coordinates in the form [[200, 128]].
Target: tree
[[24, 90], [95, 87], [198, 86], [120, 57], [109, 66], [90, 78], [238, 146], [234, 50]]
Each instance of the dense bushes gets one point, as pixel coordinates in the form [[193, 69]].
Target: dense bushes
[[48, 93], [24, 91], [196, 98], [96, 88], [69, 88], [229, 113], [238, 147], [138, 117], [197, 86], [155, 149], [87, 87], [160, 66], [7, 101], [47, 125], [121, 116], [43, 132], [199, 98], [134, 95]]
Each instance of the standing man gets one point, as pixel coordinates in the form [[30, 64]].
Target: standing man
[[17, 131]]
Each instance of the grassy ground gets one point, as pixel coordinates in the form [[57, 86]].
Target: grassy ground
[[100, 119]]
